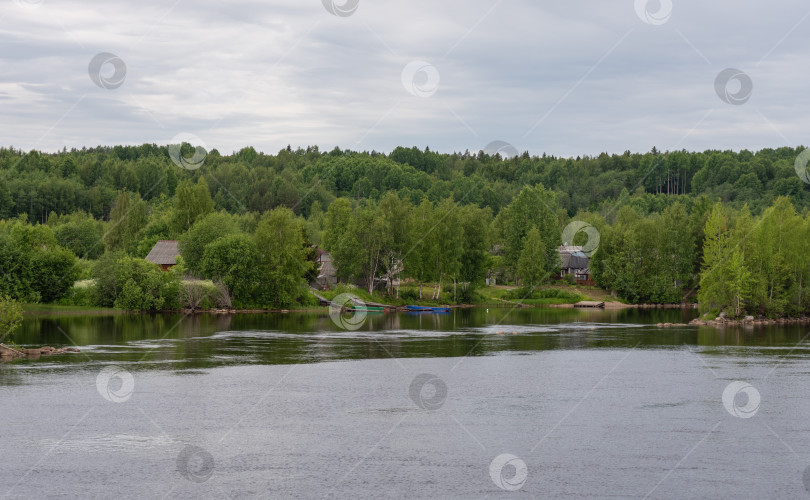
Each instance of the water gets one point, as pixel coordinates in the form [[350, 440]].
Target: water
[[587, 404]]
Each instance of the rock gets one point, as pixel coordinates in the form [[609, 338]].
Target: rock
[[659, 325], [748, 319], [722, 315]]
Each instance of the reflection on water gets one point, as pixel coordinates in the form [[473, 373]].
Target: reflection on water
[[178, 341]]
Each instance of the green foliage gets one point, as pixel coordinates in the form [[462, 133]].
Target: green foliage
[[647, 259], [756, 265], [533, 208], [283, 258], [33, 266], [531, 267], [10, 316], [53, 272], [191, 202], [81, 235], [542, 293], [233, 260], [411, 214], [127, 218], [202, 233], [134, 284]]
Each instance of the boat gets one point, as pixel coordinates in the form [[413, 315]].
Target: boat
[[365, 308], [442, 309]]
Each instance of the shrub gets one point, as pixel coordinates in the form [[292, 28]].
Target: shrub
[[221, 295], [83, 293], [134, 284], [195, 293], [10, 316]]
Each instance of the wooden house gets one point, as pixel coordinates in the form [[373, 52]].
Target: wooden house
[[327, 274], [573, 261]]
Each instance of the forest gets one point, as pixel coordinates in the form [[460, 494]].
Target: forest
[[721, 228]]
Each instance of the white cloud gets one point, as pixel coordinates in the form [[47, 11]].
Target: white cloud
[[583, 77]]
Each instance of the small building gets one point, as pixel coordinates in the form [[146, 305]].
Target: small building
[[573, 261], [327, 274], [164, 254]]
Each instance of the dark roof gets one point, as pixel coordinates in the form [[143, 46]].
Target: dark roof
[[164, 252], [573, 259]]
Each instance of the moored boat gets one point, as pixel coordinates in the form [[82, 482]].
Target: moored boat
[[427, 309]]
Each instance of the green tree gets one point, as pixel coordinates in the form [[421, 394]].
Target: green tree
[[338, 217], [53, 272], [532, 262], [202, 233], [712, 293], [11, 314], [191, 202], [82, 237], [134, 284], [533, 207], [127, 219], [234, 260], [362, 249], [283, 257]]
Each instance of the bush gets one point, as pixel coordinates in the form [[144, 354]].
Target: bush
[[545, 293], [196, 294], [134, 284], [222, 297], [33, 267], [83, 294], [10, 316]]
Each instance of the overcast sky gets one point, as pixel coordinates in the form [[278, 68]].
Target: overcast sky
[[565, 78]]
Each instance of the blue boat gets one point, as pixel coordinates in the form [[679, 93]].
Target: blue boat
[[427, 309]]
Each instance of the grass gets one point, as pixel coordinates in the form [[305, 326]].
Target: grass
[[56, 308], [490, 296]]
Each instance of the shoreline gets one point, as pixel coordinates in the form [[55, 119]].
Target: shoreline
[[621, 305], [750, 321]]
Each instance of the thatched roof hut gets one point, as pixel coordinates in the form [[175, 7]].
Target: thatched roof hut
[[164, 254]]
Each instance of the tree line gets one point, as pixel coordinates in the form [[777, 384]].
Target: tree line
[[38, 184], [673, 226]]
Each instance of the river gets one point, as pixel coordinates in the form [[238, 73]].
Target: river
[[477, 403]]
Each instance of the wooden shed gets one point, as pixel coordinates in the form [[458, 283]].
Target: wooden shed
[[164, 254]]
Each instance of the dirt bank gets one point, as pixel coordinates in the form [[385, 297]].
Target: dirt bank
[[8, 353]]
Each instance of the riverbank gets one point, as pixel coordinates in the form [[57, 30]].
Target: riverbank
[[620, 305], [9, 353], [750, 321]]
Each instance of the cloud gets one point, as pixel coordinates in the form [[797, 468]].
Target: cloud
[[547, 77]]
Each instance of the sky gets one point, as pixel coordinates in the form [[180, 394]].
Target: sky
[[563, 78]]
